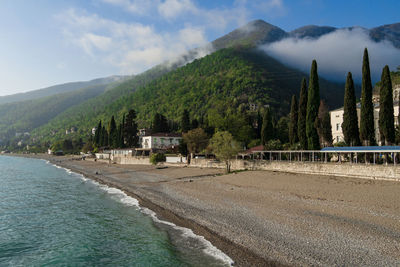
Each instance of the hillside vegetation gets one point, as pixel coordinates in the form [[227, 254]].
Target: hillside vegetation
[[217, 86], [59, 89]]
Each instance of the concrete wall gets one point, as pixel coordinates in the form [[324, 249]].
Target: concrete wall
[[384, 172], [131, 160], [175, 160]]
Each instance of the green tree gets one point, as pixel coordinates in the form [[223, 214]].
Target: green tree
[[386, 117], [350, 120], [131, 129], [155, 158], [267, 130], [104, 135], [282, 129], [195, 124], [196, 140], [97, 134], [224, 147], [323, 125], [160, 124], [312, 109], [112, 133], [294, 111], [301, 126], [367, 130], [185, 121]]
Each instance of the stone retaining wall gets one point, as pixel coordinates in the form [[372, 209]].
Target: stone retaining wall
[[370, 171]]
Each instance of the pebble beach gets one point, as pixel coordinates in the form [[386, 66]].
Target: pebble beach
[[263, 218]]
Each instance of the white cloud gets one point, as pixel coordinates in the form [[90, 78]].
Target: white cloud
[[89, 41], [138, 7], [133, 47], [336, 53], [172, 8]]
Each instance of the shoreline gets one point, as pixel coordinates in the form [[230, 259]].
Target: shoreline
[[266, 218], [240, 255]]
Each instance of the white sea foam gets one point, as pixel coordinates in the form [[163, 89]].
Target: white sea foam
[[121, 196], [188, 233]]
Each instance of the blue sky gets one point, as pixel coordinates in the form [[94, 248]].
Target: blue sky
[[47, 42]]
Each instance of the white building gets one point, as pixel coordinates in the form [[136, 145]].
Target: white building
[[161, 141], [337, 120]]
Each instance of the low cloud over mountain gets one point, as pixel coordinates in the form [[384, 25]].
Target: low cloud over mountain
[[336, 53]]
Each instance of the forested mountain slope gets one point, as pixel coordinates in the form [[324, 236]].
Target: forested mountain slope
[[225, 82], [59, 89]]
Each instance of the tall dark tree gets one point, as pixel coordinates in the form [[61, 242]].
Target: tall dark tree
[[195, 124], [112, 133], [301, 125], [294, 109], [323, 125], [160, 124], [121, 133], [104, 136], [386, 116], [312, 108], [131, 129], [97, 134], [267, 130], [367, 129], [350, 120], [185, 121], [259, 124]]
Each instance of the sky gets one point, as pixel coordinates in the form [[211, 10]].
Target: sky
[[47, 42]]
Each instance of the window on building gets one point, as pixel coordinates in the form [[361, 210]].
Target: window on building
[[337, 126]]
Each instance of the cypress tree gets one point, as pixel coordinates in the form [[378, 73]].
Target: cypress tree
[[301, 125], [160, 124], [386, 117], [195, 124], [267, 130], [185, 121], [121, 133], [367, 130], [97, 134], [104, 135], [312, 109], [350, 120], [131, 129], [112, 133], [323, 125], [294, 109]]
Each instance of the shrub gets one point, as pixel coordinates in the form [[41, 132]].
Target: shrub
[[156, 158]]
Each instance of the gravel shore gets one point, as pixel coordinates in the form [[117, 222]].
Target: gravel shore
[[262, 218]]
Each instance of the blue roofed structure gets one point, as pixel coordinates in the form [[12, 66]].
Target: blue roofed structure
[[371, 149]]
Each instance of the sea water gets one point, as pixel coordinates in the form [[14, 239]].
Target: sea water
[[50, 216]]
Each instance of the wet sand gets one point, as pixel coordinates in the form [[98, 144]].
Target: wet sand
[[262, 218]]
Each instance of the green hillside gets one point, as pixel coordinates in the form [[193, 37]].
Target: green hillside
[[59, 89], [27, 115], [215, 87]]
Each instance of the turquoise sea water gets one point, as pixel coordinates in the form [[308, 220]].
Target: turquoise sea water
[[52, 217]]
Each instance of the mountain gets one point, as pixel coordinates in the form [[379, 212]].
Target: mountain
[[218, 87], [390, 32], [311, 31], [24, 116], [60, 88], [252, 34], [221, 85]]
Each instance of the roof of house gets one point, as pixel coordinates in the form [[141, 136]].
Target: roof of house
[[252, 149]]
